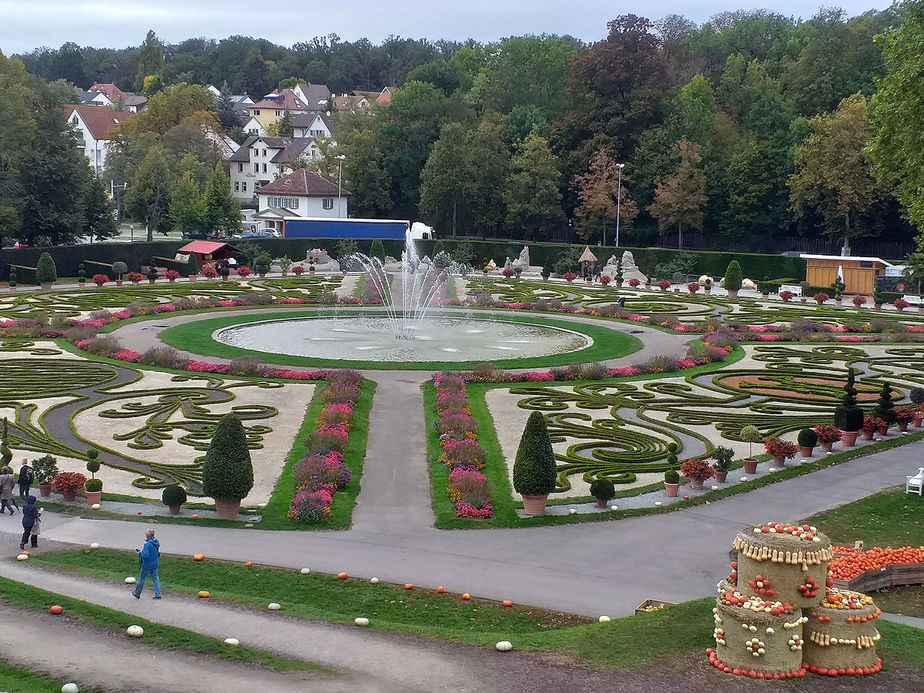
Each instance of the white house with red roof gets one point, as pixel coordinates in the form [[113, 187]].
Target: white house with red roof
[[303, 98], [261, 160], [302, 193], [96, 126]]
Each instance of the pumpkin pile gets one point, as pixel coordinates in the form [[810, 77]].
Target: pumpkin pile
[[850, 562]]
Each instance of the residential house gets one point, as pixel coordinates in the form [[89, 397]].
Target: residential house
[[302, 193], [97, 126], [313, 125], [360, 101], [93, 98], [226, 146], [129, 101], [303, 98], [254, 127], [261, 160]]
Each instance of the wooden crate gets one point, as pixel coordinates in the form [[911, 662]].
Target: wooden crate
[[870, 581], [640, 609], [907, 574]]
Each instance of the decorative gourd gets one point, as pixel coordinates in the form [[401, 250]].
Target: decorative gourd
[[409, 586], [342, 576], [57, 610], [95, 506], [466, 596], [305, 571], [22, 557], [504, 646], [361, 621], [249, 564], [199, 557], [129, 580], [203, 594], [273, 606], [604, 619], [232, 641], [94, 545], [70, 688], [374, 581], [507, 602], [134, 631]]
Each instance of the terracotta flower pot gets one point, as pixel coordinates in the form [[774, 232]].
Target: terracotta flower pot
[[803, 300], [69, 496], [849, 438], [81, 284], [750, 465], [827, 446], [671, 489], [193, 277], [708, 292], [46, 286], [779, 460], [916, 422], [171, 279], [12, 289], [902, 426], [174, 509], [696, 484], [535, 505], [227, 508], [805, 451], [45, 490], [884, 429], [719, 475], [733, 293], [867, 435], [94, 497], [118, 282], [601, 502]]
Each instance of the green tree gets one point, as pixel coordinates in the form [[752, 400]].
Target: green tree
[[45, 270], [755, 180], [531, 192], [148, 196], [227, 471], [733, 276], [377, 249], [99, 222], [833, 170], [534, 469], [186, 205], [899, 142], [597, 190], [680, 198], [221, 211], [364, 173], [445, 182], [284, 127], [150, 59], [170, 107]]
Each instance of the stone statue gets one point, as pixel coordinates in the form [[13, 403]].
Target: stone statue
[[523, 259], [629, 269]]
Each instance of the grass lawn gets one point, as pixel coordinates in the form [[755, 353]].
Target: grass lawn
[[908, 601], [889, 518], [23, 596], [13, 680], [679, 629]]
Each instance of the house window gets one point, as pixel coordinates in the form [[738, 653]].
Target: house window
[[240, 168], [315, 133], [278, 112], [252, 131], [256, 111], [264, 167], [264, 152], [256, 168], [237, 186], [328, 203], [244, 186]]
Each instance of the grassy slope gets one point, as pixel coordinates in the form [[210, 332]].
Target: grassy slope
[[889, 518], [14, 680]]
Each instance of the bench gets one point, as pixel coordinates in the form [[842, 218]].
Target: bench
[[915, 482], [913, 299], [792, 288]]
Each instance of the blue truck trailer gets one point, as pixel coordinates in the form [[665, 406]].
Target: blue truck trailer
[[386, 229]]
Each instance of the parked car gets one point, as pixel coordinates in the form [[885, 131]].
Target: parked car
[[259, 233], [201, 235]]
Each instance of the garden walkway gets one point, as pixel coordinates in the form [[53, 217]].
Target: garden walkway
[[591, 569]]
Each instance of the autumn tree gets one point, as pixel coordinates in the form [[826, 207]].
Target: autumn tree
[[150, 60], [680, 198], [603, 193], [834, 170], [531, 192], [148, 195]]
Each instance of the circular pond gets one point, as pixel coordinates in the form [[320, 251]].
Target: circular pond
[[372, 338]]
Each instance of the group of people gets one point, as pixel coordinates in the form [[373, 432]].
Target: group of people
[[31, 514]]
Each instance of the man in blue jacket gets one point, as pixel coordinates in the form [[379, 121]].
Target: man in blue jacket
[[150, 560]]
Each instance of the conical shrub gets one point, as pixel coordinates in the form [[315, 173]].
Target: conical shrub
[[534, 469], [227, 471]]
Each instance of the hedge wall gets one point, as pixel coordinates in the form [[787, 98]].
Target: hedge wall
[[67, 258]]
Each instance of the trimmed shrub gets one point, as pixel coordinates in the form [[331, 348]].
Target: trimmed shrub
[[885, 407], [93, 463], [733, 276], [751, 435], [603, 489], [227, 471], [45, 270], [848, 416], [807, 438], [119, 268], [534, 469], [376, 249], [671, 476], [45, 468], [174, 494], [917, 395]]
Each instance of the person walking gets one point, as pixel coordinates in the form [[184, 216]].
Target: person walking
[[26, 478], [31, 522], [149, 554], [6, 491]]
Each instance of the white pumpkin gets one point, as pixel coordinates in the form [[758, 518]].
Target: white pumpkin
[[361, 621], [614, 507], [273, 606], [658, 504], [95, 506], [134, 631], [22, 557], [744, 478], [305, 571], [69, 688], [715, 488], [232, 641], [374, 581], [129, 580], [94, 545], [604, 619], [571, 511], [504, 646]]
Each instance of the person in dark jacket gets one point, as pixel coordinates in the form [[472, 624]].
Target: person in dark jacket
[[150, 560], [26, 478], [6, 490], [31, 517]]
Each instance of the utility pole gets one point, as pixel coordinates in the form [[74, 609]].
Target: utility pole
[[619, 168]]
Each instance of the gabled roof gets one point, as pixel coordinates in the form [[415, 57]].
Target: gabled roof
[[101, 121], [306, 120], [204, 247], [135, 100], [317, 96], [302, 183], [350, 101], [290, 148], [385, 95], [285, 99], [110, 90]]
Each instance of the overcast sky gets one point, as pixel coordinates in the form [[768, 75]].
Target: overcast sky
[[27, 24]]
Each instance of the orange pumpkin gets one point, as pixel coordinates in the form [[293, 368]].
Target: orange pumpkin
[[199, 557], [466, 596], [203, 594], [56, 609], [409, 586], [507, 602], [440, 589], [342, 576], [249, 564]]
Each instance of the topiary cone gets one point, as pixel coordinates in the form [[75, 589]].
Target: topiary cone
[[227, 472], [534, 470]]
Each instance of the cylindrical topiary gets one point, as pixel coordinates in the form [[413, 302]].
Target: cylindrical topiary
[[46, 273], [173, 496], [733, 276], [807, 438], [885, 407], [848, 416], [534, 469], [227, 472]]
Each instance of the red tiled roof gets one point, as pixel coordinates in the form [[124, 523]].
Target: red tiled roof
[[204, 247], [284, 99], [101, 121], [384, 96], [302, 183], [112, 92]]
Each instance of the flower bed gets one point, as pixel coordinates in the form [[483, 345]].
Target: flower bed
[[468, 487], [320, 474]]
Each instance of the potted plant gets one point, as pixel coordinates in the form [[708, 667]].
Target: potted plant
[[917, 398], [723, 463], [871, 425], [244, 272], [693, 287], [192, 267], [808, 439], [118, 269], [858, 301], [603, 490], [904, 416], [81, 275], [173, 496], [697, 471], [634, 283], [750, 435], [227, 472], [209, 272], [263, 263], [605, 279], [298, 270], [619, 273], [100, 279], [134, 277], [671, 483], [507, 272], [885, 409], [848, 416], [664, 285], [545, 273], [68, 484], [11, 282], [828, 435], [900, 304], [648, 281], [838, 298], [46, 273], [534, 469], [569, 276], [45, 469], [877, 299], [224, 273], [733, 279], [820, 298], [781, 450], [172, 275], [152, 275], [787, 296], [284, 264], [94, 486]]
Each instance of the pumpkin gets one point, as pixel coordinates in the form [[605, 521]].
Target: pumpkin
[[203, 594], [129, 580], [374, 581], [571, 511], [69, 688], [195, 516], [95, 506], [305, 571], [134, 631], [614, 507], [604, 619], [232, 641], [199, 557], [409, 586], [657, 504], [361, 621], [94, 545], [466, 596], [507, 602], [249, 564], [56, 609], [22, 557], [504, 646], [273, 606], [342, 576], [138, 513], [440, 589]]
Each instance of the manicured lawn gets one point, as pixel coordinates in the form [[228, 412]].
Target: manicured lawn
[[23, 596], [908, 601], [889, 518], [13, 680], [197, 337]]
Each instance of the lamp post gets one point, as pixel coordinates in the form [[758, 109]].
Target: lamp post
[[340, 159], [619, 168]]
